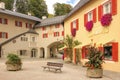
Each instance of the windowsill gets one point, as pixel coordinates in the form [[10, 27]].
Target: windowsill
[[106, 61]]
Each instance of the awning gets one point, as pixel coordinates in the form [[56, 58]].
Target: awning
[[62, 48]]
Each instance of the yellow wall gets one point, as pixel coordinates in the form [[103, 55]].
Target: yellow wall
[[99, 34]]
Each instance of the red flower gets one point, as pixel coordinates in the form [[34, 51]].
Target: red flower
[[73, 32], [106, 20], [89, 26]]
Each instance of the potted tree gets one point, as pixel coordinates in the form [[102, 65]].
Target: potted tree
[[94, 63], [70, 43], [13, 63]]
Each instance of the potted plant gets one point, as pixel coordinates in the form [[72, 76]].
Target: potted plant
[[13, 63], [94, 64]]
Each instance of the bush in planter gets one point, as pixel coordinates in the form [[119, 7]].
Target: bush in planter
[[94, 64], [14, 62]]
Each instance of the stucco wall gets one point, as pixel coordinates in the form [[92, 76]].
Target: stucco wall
[[99, 34]]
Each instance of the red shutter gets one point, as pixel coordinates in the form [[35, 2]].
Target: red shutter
[[85, 19], [0, 34], [115, 51], [62, 33], [30, 26], [114, 7], [54, 34], [26, 25], [94, 15], [101, 49], [100, 12], [15, 23], [46, 35], [42, 35], [6, 21], [58, 34], [77, 24], [20, 24], [0, 20], [6, 35], [71, 26], [83, 52]]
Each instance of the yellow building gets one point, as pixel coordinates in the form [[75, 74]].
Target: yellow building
[[96, 21]]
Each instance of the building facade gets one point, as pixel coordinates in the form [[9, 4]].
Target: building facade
[[96, 22], [50, 35], [16, 34]]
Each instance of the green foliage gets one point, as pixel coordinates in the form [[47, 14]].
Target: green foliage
[[22, 6], [70, 43], [95, 57], [13, 59], [62, 9], [8, 4], [38, 8]]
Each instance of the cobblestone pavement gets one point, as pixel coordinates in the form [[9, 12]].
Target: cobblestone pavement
[[32, 70]]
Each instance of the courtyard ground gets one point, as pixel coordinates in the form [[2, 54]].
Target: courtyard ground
[[32, 70]]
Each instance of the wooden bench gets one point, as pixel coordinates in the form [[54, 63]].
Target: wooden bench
[[54, 66]]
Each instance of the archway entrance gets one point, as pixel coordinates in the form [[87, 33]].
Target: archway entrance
[[33, 53]]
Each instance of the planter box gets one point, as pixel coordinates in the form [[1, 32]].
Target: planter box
[[13, 67], [95, 73]]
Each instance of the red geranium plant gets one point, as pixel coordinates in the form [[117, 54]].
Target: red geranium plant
[[73, 32], [89, 26], [106, 20]]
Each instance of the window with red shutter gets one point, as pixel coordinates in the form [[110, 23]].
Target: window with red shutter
[[0, 34], [26, 25], [6, 35], [71, 25], [20, 24], [62, 33], [94, 15], [77, 24], [6, 21], [111, 51]]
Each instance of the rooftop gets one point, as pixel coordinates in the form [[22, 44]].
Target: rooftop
[[8, 12]]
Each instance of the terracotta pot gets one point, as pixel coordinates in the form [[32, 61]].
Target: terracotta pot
[[13, 67], [95, 73]]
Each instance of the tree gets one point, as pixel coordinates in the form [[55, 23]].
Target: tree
[[22, 6], [62, 9], [70, 43], [8, 4], [38, 8]]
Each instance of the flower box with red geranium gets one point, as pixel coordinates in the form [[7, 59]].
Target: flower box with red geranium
[[89, 26], [106, 20], [73, 32]]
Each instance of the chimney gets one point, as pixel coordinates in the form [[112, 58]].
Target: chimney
[[14, 6], [44, 17], [2, 5], [29, 13]]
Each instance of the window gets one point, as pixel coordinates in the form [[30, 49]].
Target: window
[[108, 52], [45, 35], [75, 24], [3, 21], [107, 8], [85, 51], [90, 16], [56, 34], [23, 52], [3, 35], [24, 39], [18, 23], [33, 39], [111, 51], [28, 25]]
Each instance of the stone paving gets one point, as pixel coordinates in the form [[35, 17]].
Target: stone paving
[[32, 70]]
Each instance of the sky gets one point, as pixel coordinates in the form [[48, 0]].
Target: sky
[[50, 4]]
